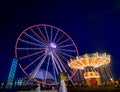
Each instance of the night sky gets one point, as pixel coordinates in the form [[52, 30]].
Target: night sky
[[94, 25]]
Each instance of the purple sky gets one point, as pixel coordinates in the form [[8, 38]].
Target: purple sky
[[93, 25]]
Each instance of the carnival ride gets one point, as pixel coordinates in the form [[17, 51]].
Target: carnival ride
[[94, 68], [45, 47]]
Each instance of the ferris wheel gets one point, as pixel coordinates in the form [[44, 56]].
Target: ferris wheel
[[45, 47]]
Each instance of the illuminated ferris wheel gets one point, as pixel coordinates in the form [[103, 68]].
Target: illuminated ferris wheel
[[45, 47]]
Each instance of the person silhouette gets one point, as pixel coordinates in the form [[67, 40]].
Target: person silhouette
[[38, 88], [62, 87]]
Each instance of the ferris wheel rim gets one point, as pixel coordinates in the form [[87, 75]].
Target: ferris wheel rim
[[38, 26]]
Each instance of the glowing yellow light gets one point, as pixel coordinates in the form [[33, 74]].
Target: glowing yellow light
[[95, 60]]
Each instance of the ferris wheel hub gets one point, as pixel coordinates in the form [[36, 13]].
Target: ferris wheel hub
[[53, 45], [51, 48]]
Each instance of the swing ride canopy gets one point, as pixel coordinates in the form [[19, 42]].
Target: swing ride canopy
[[89, 60]]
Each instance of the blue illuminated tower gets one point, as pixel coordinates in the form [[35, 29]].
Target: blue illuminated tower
[[12, 73]]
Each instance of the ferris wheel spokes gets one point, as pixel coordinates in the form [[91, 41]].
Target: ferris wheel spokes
[[34, 72], [42, 35], [69, 70], [38, 36], [60, 38], [31, 43], [38, 66], [59, 61], [46, 34], [51, 34], [55, 66], [63, 42], [66, 50], [63, 53], [64, 58], [29, 48], [65, 69], [34, 39], [63, 46], [32, 54], [47, 68], [55, 36], [34, 61], [61, 64], [56, 62]]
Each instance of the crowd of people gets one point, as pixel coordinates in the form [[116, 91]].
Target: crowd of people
[[105, 83]]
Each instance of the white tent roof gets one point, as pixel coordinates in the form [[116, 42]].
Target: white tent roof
[[42, 75]]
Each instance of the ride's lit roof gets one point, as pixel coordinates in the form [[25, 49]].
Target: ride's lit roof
[[89, 60]]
